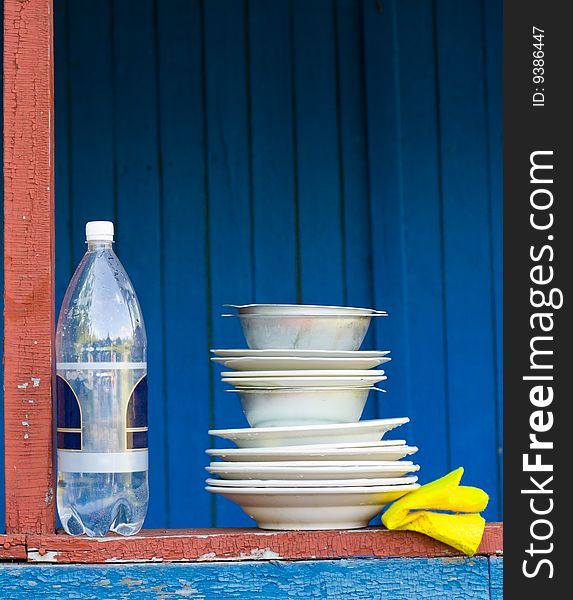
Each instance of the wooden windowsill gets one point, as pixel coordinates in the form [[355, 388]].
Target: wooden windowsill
[[204, 545]]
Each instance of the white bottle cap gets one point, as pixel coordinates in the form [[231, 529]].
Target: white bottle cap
[[99, 230]]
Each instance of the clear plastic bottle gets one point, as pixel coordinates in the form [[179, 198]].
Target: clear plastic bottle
[[101, 389]]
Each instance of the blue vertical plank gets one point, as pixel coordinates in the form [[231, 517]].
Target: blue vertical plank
[[318, 176], [62, 132], [493, 37], [91, 117], [406, 219], [357, 275], [64, 250], [422, 241], [139, 214], [467, 245], [185, 277], [2, 499], [271, 120], [229, 191], [386, 198]]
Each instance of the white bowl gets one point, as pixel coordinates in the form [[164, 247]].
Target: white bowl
[[305, 483], [320, 332], [380, 453], [313, 508], [300, 309], [304, 470], [290, 352], [302, 406], [270, 437], [290, 363]]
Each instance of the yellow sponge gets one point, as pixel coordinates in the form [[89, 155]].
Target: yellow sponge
[[461, 528]]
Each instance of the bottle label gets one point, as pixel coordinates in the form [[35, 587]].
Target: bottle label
[[69, 416], [136, 420], [102, 417]]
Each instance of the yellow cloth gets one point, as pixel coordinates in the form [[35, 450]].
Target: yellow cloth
[[462, 531]]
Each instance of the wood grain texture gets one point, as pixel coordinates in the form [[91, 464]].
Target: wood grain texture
[[204, 545], [496, 578], [360, 579], [13, 547], [28, 265]]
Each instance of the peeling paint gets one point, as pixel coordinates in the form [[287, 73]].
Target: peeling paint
[[34, 555], [260, 554], [25, 423], [129, 582], [23, 386], [116, 559], [207, 556], [36, 381]]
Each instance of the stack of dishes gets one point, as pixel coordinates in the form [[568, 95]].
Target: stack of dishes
[[307, 462]]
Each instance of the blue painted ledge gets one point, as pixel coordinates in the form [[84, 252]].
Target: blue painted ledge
[[356, 579]]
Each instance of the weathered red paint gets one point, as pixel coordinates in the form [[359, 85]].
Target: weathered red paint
[[28, 265], [13, 547], [184, 545]]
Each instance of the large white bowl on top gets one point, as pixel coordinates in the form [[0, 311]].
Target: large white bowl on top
[[278, 407], [305, 470], [269, 437], [334, 331], [313, 508], [300, 309]]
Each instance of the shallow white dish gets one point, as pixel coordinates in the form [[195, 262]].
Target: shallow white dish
[[313, 508], [250, 352], [320, 332], [381, 453], [286, 363], [323, 373], [299, 309], [377, 444], [304, 470], [280, 407], [266, 437], [360, 381], [304, 483]]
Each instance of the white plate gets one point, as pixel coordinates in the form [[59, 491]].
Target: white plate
[[332, 446], [300, 309], [285, 454], [301, 381], [313, 508], [269, 437], [290, 352], [304, 470], [323, 373], [289, 363], [318, 483]]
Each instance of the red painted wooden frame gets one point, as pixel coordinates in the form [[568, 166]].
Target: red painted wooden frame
[[28, 350], [28, 265]]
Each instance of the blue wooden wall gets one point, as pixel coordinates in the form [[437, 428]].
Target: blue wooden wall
[[337, 152]]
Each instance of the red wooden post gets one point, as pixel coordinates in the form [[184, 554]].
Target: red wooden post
[[28, 265]]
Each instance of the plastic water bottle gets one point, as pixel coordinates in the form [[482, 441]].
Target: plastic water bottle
[[101, 389]]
